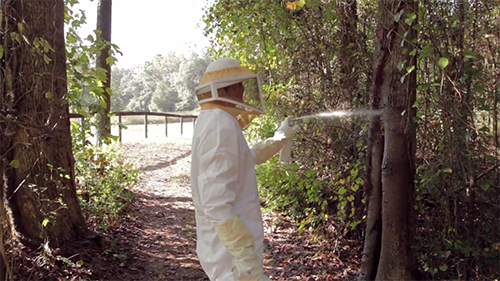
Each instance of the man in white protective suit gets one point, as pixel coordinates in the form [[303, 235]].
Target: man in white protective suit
[[230, 233]]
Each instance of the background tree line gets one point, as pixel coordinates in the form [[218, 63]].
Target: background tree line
[[164, 84]]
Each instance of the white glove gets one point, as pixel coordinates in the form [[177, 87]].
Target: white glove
[[285, 131], [239, 242], [269, 147]]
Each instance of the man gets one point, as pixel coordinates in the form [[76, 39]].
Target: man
[[229, 224]]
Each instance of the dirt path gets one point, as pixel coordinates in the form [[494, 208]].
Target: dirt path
[[160, 235]]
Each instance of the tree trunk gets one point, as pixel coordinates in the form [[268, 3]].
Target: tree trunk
[[2, 151], [348, 82], [104, 25], [348, 32], [373, 185], [398, 167], [40, 184]]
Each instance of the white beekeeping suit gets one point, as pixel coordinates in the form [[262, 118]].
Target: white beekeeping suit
[[229, 225]]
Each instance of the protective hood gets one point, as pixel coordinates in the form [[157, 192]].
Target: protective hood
[[226, 84]]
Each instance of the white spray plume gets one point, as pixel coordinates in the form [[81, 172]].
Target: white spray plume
[[342, 113]]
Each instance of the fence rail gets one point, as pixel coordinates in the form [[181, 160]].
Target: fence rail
[[119, 114]]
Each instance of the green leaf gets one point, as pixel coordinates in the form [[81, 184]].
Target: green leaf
[[484, 129], [45, 222], [485, 186], [354, 224], [360, 181], [413, 52], [46, 59], [354, 172], [417, 103], [443, 267], [479, 88], [14, 163], [342, 190], [329, 14], [491, 158], [447, 170], [401, 64], [423, 87], [409, 69], [397, 16], [20, 26], [355, 187], [46, 46], [49, 95], [1, 51], [36, 42], [410, 18], [426, 52], [443, 62], [469, 54], [426, 267], [301, 3]]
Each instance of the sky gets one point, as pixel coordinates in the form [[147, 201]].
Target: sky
[[143, 29]]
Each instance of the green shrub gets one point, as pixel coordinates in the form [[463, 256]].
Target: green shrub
[[295, 191], [104, 178], [289, 187]]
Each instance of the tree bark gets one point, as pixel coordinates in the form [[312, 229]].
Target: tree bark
[[5, 223], [373, 182], [348, 82], [104, 10], [40, 184], [398, 166], [348, 32]]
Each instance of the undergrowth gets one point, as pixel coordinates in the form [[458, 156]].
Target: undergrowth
[[104, 178]]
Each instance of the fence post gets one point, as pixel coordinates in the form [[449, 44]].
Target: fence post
[[182, 125], [120, 128], [166, 126], [146, 125]]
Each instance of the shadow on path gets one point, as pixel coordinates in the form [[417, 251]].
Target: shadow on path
[[162, 165], [159, 232], [162, 236]]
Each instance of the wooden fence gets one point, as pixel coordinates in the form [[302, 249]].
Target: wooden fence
[[181, 117]]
